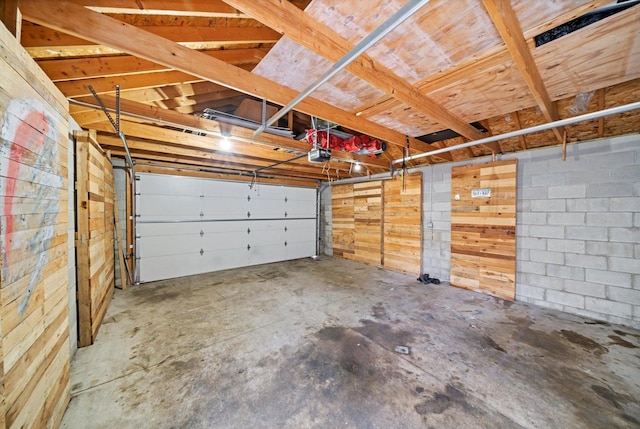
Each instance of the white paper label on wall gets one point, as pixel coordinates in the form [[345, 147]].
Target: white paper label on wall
[[481, 193]]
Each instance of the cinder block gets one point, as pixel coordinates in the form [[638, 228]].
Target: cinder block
[[598, 190], [608, 278], [608, 307], [569, 299], [625, 265], [568, 191], [635, 281], [586, 261], [539, 193], [547, 304], [636, 251], [556, 164], [587, 176], [529, 291], [566, 219], [588, 205], [532, 243], [531, 267], [564, 272], [629, 296], [624, 235], [598, 248], [548, 205], [610, 161], [625, 204], [626, 174], [636, 220], [539, 231], [572, 246], [547, 257], [592, 233], [542, 281], [585, 288], [620, 220], [548, 180], [636, 189], [534, 218]]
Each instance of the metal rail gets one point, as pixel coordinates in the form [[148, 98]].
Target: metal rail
[[374, 37]]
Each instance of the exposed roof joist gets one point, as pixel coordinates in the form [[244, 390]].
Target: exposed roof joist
[[329, 44], [102, 29]]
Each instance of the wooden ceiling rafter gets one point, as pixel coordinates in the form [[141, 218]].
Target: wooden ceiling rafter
[[507, 24], [85, 68], [330, 45], [238, 133], [137, 42]]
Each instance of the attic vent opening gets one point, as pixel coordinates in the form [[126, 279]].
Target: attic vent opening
[[584, 21], [447, 134]]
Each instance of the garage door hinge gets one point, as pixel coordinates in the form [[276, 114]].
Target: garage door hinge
[[248, 230], [286, 199], [285, 214], [248, 247], [201, 233], [285, 244], [248, 197], [248, 214], [137, 177], [285, 229], [201, 214], [201, 252]]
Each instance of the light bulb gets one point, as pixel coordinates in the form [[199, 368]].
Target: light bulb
[[356, 167], [225, 144]]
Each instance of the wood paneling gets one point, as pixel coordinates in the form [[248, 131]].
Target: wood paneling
[[403, 224], [379, 223], [342, 221], [483, 230], [94, 236], [367, 219], [34, 318]]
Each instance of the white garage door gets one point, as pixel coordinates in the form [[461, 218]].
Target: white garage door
[[187, 225]]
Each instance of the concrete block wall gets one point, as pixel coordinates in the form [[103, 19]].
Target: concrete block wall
[[324, 217], [578, 232], [578, 229]]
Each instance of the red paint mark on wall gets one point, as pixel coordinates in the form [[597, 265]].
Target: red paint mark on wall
[[25, 137]]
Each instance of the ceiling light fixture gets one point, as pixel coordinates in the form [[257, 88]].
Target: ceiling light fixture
[[357, 167], [225, 144]]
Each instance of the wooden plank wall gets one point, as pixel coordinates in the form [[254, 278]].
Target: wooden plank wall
[[389, 234], [342, 221], [94, 235], [34, 318], [483, 230], [403, 224], [367, 220]]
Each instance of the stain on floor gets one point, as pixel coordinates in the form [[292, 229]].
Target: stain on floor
[[251, 348]]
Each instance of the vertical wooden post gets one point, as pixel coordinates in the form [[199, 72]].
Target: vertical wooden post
[[601, 107], [82, 239], [11, 17]]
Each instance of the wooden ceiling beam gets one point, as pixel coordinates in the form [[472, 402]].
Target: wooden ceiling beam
[[203, 8], [135, 41], [219, 105], [183, 170], [507, 24], [106, 85], [221, 160], [84, 68], [10, 16], [150, 95], [35, 36], [237, 133], [279, 15]]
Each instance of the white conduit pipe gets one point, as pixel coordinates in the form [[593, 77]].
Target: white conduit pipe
[[535, 129], [374, 37]]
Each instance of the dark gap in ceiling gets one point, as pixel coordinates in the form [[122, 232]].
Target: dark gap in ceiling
[[583, 21], [447, 134]]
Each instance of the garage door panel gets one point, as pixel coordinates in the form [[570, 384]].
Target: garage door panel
[[194, 226], [153, 184], [169, 207]]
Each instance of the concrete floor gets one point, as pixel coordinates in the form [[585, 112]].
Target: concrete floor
[[310, 343]]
